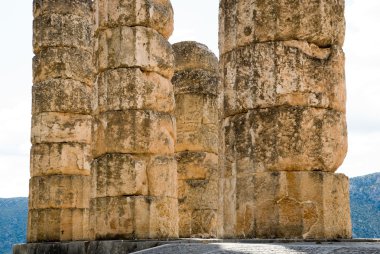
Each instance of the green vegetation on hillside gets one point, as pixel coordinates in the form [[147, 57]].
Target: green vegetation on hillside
[[13, 220], [365, 206]]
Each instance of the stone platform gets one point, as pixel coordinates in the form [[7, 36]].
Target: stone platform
[[199, 246]]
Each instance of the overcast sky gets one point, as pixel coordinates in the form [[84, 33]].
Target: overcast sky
[[194, 20]]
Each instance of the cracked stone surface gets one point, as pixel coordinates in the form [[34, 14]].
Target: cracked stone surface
[[155, 14], [283, 130], [284, 139], [195, 81], [250, 21], [63, 75], [134, 171], [287, 205], [283, 73]]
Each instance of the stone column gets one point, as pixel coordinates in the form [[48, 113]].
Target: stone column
[[195, 86], [134, 174], [61, 122], [282, 66]]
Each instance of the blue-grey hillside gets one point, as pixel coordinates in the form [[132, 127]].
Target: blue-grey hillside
[[365, 206], [13, 220]]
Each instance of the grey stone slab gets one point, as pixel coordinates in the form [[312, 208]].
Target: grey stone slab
[[203, 246], [253, 248]]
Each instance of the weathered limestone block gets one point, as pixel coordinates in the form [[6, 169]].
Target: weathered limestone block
[[61, 128], [132, 88], [198, 223], [197, 194], [55, 225], [134, 175], [290, 205], [197, 123], [134, 131], [60, 159], [65, 63], [133, 218], [57, 30], [62, 95], [244, 22], [126, 47], [284, 139], [59, 192], [229, 206], [196, 82], [81, 8], [293, 73], [191, 55], [155, 14], [197, 166], [63, 75], [196, 91]]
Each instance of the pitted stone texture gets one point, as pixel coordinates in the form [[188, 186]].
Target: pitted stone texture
[[196, 82], [56, 30], [61, 128], [60, 159], [249, 21], [289, 205], [134, 175], [133, 218], [197, 193], [134, 131], [198, 223], [134, 47], [197, 165], [56, 225], [191, 55], [197, 123], [65, 63], [81, 8], [59, 191], [131, 88], [285, 139], [293, 73], [62, 95], [155, 14]]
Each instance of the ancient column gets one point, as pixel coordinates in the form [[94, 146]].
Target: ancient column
[[195, 87], [61, 122], [282, 66], [134, 174]]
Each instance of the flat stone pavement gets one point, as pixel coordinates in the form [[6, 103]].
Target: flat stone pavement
[[203, 246], [266, 248]]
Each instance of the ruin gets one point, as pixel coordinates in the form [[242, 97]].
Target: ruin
[[134, 138], [134, 123], [62, 120], [196, 96], [284, 123]]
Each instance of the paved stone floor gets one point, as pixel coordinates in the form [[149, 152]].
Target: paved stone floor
[[204, 246], [267, 248]]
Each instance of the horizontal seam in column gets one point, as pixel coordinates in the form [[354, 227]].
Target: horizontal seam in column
[[271, 41], [43, 48], [283, 107]]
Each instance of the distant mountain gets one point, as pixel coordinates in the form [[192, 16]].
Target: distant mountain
[[13, 220], [365, 206], [365, 213]]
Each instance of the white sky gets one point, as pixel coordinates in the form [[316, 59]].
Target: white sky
[[194, 20]]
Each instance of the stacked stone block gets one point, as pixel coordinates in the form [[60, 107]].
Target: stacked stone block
[[195, 85], [61, 122], [134, 174], [284, 125]]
